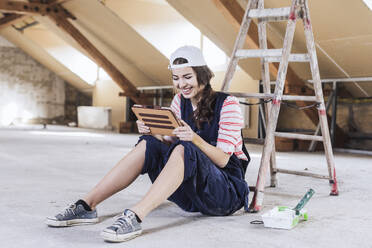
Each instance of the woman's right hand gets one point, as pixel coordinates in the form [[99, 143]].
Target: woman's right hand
[[142, 128]]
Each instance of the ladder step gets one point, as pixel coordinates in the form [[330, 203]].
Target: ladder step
[[271, 55], [258, 53], [301, 173], [298, 136], [271, 15], [269, 96], [295, 57], [251, 95], [299, 98]]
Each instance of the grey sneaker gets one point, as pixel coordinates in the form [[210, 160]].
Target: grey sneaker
[[73, 215], [125, 227]]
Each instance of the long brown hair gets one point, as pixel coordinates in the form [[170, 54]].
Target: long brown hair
[[204, 109]]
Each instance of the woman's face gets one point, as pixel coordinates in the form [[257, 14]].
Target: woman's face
[[185, 81]]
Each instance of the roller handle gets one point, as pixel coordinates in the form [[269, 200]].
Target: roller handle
[[303, 201]]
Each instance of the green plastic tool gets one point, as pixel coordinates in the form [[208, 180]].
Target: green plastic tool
[[303, 201]]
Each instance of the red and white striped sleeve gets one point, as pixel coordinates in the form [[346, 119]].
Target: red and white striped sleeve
[[176, 105], [230, 125]]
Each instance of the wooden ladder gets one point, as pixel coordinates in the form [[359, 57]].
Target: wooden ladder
[[298, 9]]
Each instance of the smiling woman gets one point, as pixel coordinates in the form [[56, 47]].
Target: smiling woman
[[201, 168]]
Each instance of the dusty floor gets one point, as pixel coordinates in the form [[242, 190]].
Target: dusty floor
[[42, 171]]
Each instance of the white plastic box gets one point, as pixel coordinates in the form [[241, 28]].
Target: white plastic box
[[283, 217], [94, 117]]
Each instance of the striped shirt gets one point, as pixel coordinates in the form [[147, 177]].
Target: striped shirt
[[231, 123]]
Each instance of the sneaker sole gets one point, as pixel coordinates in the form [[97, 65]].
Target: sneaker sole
[[75, 222], [113, 237]]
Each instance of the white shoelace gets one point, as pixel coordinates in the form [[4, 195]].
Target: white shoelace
[[123, 221], [70, 210]]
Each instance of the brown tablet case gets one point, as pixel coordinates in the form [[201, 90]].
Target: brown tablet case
[[160, 120]]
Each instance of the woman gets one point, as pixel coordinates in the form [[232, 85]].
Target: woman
[[201, 169]]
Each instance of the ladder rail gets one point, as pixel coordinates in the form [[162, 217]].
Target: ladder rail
[[265, 75], [313, 143], [310, 44], [257, 201]]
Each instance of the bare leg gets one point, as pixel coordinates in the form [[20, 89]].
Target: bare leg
[[119, 177], [165, 184]]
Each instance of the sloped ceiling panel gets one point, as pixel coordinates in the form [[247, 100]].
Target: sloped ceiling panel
[[343, 36], [138, 60], [43, 57]]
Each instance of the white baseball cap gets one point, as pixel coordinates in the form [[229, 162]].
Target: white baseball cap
[[192, 54]]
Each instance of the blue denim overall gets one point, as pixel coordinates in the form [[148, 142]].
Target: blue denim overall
[[206, 188]]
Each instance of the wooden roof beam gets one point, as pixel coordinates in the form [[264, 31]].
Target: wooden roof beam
[[34, 8], [10, 19], [44, 1], [234, 13], [98, 57]]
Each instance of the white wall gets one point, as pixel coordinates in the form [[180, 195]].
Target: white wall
[[106, 94]]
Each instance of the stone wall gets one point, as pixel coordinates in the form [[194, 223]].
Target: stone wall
[[73, 99], [354, 117], [30, 93], [294, 119]]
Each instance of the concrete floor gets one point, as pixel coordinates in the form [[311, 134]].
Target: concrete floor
[[42, 171]]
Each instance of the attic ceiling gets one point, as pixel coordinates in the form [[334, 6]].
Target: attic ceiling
[[343, 37]]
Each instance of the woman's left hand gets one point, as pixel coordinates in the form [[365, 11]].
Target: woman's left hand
[[184, 132]]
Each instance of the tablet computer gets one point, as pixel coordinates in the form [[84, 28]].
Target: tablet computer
[[160, 120]]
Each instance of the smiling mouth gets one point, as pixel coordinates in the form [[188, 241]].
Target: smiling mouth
[[187, 90]]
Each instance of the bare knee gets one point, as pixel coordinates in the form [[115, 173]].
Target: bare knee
[[142, 142], [153, 143], [179, 151]]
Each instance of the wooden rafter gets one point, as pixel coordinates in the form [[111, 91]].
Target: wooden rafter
[[234, 13], [151, 95], [49, 1], [34, 8], [10, 19], [43, 1], [98, 57]]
